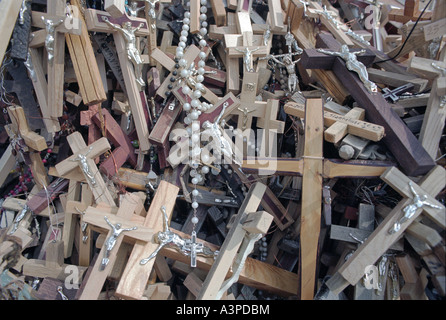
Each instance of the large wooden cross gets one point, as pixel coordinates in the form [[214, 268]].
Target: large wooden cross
[[386, 234], [136, 96], [408, 151], [435, 114], [313, 167], [82, 158], [55, 23], [130, 204], [134, 278]]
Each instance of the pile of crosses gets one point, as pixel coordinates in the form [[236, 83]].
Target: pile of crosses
[[323, 178]]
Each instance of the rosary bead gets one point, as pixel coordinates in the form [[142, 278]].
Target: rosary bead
[[194, 220]]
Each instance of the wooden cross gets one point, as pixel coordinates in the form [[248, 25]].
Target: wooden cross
[[408, 151], [53, 266], [190, 56], [313, 167], [84, 62], [54, 21], [340, 125], [382, 238], [130, 204], [82, 158], [232, 243], [136, 96], [435, 114], [134, 278], [34, 143]]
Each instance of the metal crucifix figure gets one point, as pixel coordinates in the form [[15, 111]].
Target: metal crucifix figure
[[111, 240], [188, 247], [82, 158], [418, 201]]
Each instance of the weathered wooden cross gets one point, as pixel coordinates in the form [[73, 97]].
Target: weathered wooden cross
[[82, 158], [136, 96], [313, 167], [396, 222], [408, 151]]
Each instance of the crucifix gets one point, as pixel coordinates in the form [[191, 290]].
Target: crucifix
[[28, 143], [340, 125], [54, 22], [313, 167], [407, 150], [151, 12], [82, 158], [96, 217], [232, 244], [9, 11], [435, 114], [125, 43], [391, 228]]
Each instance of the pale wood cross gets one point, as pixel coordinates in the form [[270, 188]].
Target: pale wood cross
[[384, 235], [407, 150], [94, 216], [136, 96], [313, 167], [31, 144], [82, 158], [56, 23], [435, 114], [9, 12]]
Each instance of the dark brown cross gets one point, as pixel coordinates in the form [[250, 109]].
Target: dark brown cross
[[405, 147]]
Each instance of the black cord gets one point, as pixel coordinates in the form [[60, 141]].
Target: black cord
[[408, 36]]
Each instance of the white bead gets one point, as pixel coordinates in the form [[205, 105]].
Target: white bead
[[203, 31], [205, 158], [186, 89], [186, 14], [204, 24], [201, 71], [186, 106], [203, 43], [179, 54], [194, 220], [182, 44], [194, 180], [184, 33], [183, 38], [186, 20], [215, 172], [196, 151], [195, 138], [182, 63], [197, 94], [185, 27], [195, 193], [203, 17], [200, 78], [203, 2], [203, 9], [195, 206], [195, 126], [201, 64], [205, 170], [193, 115], [187, 121], [194, 103], [184, 73]]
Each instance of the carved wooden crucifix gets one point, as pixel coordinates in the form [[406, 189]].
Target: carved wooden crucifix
[[56, 23], [313, 167], [122, 220], [408, 151], [136, 96], [395, 223], [82, 158]]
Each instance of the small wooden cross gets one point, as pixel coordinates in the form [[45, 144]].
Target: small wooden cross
[[136, 96], [435, 114], [9, 12], [82, 157], [340, 125], [384, 235], [34, 143], [407, 150], [130, 204]]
